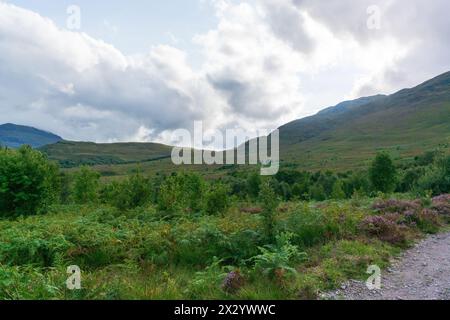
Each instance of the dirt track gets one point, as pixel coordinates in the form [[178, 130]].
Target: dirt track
[[421, 273]]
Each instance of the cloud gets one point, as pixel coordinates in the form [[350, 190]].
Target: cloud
[[411, 41], [87, 89], [265, 63]]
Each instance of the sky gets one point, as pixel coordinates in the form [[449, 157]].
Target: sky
[[110, 71]]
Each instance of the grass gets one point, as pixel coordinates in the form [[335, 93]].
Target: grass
[[135, 255]]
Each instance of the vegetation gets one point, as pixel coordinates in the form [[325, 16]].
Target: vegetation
[[28, 182], [234, 236]]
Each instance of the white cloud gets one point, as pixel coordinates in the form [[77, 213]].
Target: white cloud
[[267, 62]]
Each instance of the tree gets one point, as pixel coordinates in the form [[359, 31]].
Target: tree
[[317, 192], [85, 186], [217, 199], [183, 192], [133, 192], [29, 183], [338, 190], [270, 203], [254, 184], [383, 173]]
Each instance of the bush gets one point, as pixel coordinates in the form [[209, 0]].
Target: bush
[[317, 192], [217, 199], [385, 228], [383, 173], [183, 193], [307, 226], [85, 186], [338, 192], [269, 203], [29, 183], [278, 260], [131, 193], [436, 178], [394, 205]]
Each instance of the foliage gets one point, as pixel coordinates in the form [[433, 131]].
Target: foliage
[[383, 173], [85, 186], [270, 203], [338, 192], [29, 183], [133, 192], [436, 177], [277, 260], [217, 199], [183, 192]]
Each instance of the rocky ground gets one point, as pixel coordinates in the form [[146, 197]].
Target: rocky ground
[[421, 273]]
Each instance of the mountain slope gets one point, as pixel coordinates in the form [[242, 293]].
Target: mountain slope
[[71, 154], [14, 136], [343, 137], [406, 123]]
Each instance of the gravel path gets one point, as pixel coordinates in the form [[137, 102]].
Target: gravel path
[[421, 273]]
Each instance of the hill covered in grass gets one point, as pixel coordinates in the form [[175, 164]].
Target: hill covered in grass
[[348, 135], [13, 136], [73, 154]]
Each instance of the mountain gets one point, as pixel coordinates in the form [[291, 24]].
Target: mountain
[[14, 136], [72, 154], [348, 135], [343, 137]]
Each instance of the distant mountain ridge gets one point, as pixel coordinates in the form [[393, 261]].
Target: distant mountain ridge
[[14, 136], [343, 137], [405, 123]]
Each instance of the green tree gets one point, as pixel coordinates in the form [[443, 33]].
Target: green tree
[[85, 185], [183, 192], [217, 199], [29, 183], [317, 192], [383, 173], [269, 202], [254, 184], [133, 192], [338, 190]]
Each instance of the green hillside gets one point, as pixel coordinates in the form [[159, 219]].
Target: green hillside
[[343, 137], [406, 123], [72, 154]]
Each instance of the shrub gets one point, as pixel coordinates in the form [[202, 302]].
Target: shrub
[[441, 205], [254, 184], [208, 280], [131, 193], [338, 192], [394, 205], [317, 192], [385, 228], [85, 186], [436, 177], [277, 261], [182, 193], [29, 183], [233, 282], [307, 226], [269, 203], [217, 199], [427, 221], [383, 173]]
